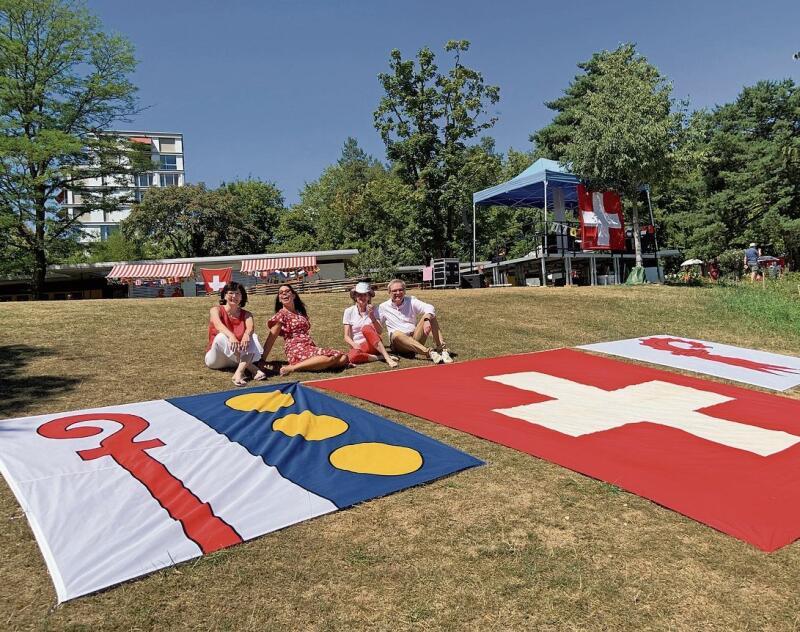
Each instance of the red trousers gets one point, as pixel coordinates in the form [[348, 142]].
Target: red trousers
[[368, 347]]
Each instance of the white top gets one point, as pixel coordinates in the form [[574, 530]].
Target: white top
[[357, 321], [404, 317]]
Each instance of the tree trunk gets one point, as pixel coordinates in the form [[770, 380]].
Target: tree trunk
[[637, 236], [39, 253]]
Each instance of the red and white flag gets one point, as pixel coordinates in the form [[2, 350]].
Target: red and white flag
[[216, 279], [721, 454], [602, 223], [770, 370]]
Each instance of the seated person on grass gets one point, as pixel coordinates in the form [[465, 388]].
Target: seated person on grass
[[406, 335], [362, 331], [292, 323], [231, 341]]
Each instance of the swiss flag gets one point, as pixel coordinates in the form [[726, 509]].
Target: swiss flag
[[720, 454], [216, 279], [602, 223]]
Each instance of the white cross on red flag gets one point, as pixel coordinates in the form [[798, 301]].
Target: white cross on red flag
[[721, 454], [216, 279], [602, 223]]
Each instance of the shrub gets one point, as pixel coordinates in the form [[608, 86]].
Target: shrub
[[730, 263]]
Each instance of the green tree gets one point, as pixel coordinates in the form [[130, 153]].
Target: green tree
[[615, 127], [426, 119], [355, 203], [678, 204], [62, 81], [738, 175], [185, 221], [239, 218], [751, 169], [116, 248], [259, 206], [505, 227]]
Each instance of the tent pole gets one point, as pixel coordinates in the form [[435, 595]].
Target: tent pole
[[544, 238], [567, 268], [472, 264]]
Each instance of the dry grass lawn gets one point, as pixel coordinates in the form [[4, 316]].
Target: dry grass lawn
[[520, 544]]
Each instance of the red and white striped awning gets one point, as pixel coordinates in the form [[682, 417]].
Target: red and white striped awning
[[152, 271], [256, 266]]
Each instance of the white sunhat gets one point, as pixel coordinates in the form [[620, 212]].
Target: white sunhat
[[363, 288]]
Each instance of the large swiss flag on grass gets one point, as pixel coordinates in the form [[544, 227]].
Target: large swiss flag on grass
[[726, 456]]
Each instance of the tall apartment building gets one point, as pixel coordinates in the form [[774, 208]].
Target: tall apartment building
[[166, 149]]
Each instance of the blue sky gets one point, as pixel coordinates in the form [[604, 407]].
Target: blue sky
[[272, 89]]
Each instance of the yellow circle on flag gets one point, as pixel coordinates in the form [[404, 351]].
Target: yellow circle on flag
[[376, 458], [310, 426], [262, 402]]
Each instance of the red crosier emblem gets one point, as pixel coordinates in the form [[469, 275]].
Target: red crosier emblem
[[199, 523], [699, 350]]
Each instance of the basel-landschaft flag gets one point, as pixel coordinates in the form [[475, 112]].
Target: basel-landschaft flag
[[116, 492]]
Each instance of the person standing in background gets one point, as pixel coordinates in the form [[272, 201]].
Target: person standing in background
[[751, 256]]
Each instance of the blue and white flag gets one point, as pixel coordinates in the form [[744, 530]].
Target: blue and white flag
[[117, 492]]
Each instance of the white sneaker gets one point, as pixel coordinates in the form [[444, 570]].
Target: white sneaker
[[446, 358], [435, 357]]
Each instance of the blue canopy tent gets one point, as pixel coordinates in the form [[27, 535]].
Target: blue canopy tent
[[528, 189]]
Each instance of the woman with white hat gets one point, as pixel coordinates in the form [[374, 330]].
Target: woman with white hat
[[362, 329]]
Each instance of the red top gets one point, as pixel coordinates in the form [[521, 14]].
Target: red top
[[235, 325]]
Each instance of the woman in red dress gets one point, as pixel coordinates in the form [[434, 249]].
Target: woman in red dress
[[291, 322]]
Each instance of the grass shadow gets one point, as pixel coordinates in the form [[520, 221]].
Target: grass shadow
[[20, 391]]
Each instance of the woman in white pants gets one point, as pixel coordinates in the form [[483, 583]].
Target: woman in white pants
[[231, 341]]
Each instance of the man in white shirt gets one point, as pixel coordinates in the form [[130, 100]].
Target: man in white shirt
[[409, 322]]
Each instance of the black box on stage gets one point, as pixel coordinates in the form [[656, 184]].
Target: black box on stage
[[472, 280]]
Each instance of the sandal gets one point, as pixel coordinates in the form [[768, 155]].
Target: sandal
[[259, 376], [239, 381]]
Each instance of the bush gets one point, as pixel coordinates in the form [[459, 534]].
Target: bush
[[730, 263]]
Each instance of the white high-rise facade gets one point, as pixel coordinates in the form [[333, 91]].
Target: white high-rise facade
[[166, 150]]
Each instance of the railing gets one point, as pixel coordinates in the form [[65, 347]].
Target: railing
[[564, 238], [303, 286], [321, 285]]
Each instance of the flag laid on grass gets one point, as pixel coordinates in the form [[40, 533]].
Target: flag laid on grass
[[720, 454], [113, 493], [760, 368]]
